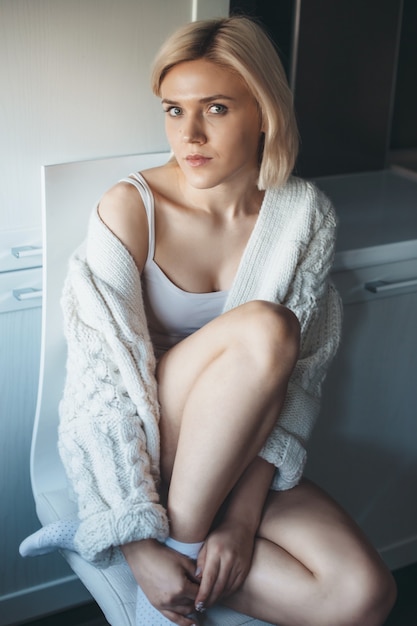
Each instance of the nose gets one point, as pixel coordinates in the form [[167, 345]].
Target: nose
[[193, 131]]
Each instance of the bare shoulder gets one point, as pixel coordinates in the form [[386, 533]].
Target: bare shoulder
[[163, 180], [121, 209]]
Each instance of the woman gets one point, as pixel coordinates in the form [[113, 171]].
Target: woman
[[187, 409]]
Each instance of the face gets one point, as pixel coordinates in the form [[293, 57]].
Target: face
[[212, 124]]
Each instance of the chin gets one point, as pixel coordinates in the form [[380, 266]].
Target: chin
[[205, 179], [201, 180]]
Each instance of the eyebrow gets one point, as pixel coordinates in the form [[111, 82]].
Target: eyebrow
[[217, 96]]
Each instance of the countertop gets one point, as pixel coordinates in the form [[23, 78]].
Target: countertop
[[377, 214]]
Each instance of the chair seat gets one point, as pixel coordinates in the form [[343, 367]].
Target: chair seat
[[114, 588]]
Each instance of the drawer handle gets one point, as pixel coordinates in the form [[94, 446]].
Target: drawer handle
[[29, 293], [26, 251], [382, 286]]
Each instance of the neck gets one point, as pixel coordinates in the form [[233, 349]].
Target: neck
[[229, 200]]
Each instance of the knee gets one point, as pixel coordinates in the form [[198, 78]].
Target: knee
[[273, 333], [377, 596], [368, 595]]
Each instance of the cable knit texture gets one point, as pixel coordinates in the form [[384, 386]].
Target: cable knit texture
[[108, 433]]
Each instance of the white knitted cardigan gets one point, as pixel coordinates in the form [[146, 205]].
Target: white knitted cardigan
[[109, 414]]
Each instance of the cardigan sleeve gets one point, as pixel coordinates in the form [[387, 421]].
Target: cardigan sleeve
[[108, 432], [315, 301]]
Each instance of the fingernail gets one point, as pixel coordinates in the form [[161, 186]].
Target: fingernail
[[200, 608], [198, 571]]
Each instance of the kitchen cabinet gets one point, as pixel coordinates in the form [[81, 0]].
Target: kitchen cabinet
[[364, 448], [20, 345]]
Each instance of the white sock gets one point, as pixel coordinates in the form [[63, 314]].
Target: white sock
[[55, 536], [187, 549]]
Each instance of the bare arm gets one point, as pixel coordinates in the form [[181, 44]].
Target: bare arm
[[121, 209]]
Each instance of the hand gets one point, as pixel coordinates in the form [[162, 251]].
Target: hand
[[166, 577], [224, 561]]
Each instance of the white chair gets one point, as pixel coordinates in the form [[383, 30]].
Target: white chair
[[69, 193]]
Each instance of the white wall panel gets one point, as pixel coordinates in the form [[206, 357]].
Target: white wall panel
[[74, 80]]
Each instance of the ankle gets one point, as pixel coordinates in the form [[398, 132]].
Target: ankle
[[187, 549]]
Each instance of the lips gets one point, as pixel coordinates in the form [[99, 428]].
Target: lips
[[197, 160]]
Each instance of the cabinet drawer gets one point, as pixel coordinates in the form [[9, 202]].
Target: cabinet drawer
[[379, 281], [20, 249], [20, 290]]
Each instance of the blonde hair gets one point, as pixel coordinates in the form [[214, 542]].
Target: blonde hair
[[239, 44]]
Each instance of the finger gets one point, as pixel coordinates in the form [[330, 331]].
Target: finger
[[229, 578], [177, 618], [201, 561], [219, 587], [208, 580], [236, 583], [190, 569], [232, 584], [190, 592]]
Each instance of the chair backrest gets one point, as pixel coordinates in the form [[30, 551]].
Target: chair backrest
[[70, 191]]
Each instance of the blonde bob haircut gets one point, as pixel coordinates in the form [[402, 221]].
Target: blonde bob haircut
[[239, 44]]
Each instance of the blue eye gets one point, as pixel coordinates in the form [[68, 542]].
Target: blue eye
[[174, 111], [217, 109]]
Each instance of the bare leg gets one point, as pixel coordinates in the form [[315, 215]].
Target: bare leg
[[312, 566], [221, 391]]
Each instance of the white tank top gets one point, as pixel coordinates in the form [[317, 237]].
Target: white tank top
[[172, 313]]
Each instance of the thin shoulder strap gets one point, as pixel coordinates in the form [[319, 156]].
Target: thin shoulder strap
[[136, 179]]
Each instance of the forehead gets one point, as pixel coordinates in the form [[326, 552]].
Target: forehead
[[197, 79]]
